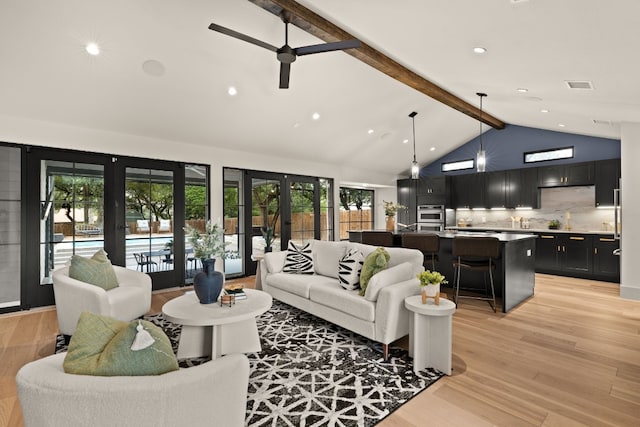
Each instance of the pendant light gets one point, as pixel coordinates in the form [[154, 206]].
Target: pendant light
[[415, 168], [481, 158]]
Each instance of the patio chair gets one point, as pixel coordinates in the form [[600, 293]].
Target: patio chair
[[165, 225], [142, 226], [144, 261]]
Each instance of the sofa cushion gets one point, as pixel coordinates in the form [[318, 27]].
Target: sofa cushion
[[387, 277], [102, 345], [326, 255], [349, 268], [400, 255], [299, 259], [375, 262], [96, 270], [297, 284], [334, 296]]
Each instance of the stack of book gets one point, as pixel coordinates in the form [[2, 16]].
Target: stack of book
[[236, 290]]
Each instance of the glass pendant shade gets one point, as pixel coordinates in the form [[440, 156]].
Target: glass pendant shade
[[415, 170], [481, 161]]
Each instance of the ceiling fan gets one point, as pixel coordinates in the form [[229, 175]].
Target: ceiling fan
[[286, 54]]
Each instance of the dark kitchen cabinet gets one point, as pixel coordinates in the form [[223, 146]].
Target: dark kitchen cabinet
[[407, 197], [566, 175], [547, 251], [433, 191], [606, 265], [563, 252], [495, 186], [607, 176], [576, 253], [521, 188], [468, 190]]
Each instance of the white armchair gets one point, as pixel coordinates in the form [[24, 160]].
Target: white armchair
[[131, 299], [211, 394]]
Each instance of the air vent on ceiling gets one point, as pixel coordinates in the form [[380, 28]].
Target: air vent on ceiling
[[602, 122], [579, 84]]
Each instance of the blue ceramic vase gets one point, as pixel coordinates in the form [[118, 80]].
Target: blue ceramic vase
[[208, 283]]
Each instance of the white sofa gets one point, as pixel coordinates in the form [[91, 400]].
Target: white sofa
[[130, 300], [380, 315], [214, 393]]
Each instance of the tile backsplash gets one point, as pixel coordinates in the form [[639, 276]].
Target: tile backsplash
[[575, 205]]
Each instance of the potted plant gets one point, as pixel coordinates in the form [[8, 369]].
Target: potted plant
[[268, 235], [390, 210], [430, 282], [554, 224], [206, 245]]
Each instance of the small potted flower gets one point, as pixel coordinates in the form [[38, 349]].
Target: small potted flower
[[430, 282]]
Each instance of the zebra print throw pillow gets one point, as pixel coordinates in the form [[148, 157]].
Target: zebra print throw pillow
[[299, 260], [349, 268]]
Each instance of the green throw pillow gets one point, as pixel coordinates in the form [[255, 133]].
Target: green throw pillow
[[96, 270], [101, 346], [375, 262]]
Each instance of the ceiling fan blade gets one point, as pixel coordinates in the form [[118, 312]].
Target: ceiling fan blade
[[327, 47], [237, 35], [285, 70]]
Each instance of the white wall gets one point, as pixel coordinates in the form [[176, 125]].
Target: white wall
[[31, 132], [630, 244]]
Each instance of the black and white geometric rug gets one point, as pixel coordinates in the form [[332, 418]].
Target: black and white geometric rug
[[313, 373]]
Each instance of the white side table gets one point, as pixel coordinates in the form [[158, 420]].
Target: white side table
[[430, 333]]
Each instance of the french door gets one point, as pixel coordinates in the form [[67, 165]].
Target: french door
[[134, 209], [296, 208]]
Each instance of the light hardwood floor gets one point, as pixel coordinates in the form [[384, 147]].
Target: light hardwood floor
[[570, 356]]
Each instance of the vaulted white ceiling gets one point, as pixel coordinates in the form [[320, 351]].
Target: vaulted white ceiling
[[538, 45]]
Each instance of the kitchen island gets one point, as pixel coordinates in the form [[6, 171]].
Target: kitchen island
[[514, 276]]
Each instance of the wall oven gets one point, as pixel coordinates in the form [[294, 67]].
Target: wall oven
[[431, 217]]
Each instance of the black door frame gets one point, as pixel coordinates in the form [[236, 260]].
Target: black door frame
[[284, 180], [32, 293]]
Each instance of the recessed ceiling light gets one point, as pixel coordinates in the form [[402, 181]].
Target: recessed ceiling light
[[432, 149], [232, 91], [479, 49], [404, 141], [544, 111], [92, 49], [370, 131], [296, 125], [561, 125], [315, 116], [522, 90]]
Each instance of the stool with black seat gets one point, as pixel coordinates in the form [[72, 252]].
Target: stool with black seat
[[428, 244], [475, 254], [377, 238]]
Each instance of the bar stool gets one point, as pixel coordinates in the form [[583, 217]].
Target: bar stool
[[475, 254], [428, 244], [377, 238]]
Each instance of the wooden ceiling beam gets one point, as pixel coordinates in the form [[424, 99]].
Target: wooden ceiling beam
[[325, 30]]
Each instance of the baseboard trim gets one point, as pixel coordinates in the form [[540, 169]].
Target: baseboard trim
[[628, 292]]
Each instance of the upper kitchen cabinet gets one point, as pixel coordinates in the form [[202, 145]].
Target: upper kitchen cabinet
[[495, 186], [433, 191], [521, 188], [566, 175], [607, 179], [407, 197], [468, 190]]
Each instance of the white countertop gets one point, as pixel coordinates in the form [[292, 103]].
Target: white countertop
[[531, 230]]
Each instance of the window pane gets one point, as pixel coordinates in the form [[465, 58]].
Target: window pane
[[356, 211]]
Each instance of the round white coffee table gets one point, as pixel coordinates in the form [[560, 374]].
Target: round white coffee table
[[214, 330], [430, 333]]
